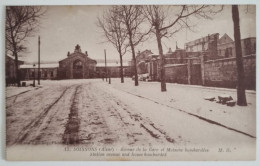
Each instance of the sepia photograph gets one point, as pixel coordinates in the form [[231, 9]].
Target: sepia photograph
[[130, 82]]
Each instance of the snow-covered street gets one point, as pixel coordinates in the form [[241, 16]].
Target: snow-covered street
[[94, 112]]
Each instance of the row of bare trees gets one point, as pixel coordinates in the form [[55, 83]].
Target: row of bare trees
[[128, 26], [122, 26]]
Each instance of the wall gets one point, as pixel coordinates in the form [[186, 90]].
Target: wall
[[115, 71], [183, 73], [217, 73], [196, 74], [223, 72], [177, 73]]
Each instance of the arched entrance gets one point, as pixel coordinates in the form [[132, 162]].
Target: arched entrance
[[77, 69]]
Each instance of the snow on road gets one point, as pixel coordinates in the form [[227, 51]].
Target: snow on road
[[191, 99], [105, 119], [94, 112], [12, 91], [185, 129], [32, 112]]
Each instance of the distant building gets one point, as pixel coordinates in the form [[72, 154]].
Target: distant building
[[141, 56], [141, 59], [10, 72], [77, 65], [217, 48], [207, 44], [48, 71], [226, 46]]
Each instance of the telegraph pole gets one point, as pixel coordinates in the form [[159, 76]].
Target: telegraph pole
[[39, 74], [105, 63]]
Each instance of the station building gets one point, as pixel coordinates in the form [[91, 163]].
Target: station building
[[77, 65]]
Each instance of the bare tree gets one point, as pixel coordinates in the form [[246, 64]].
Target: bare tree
[[241, 96], [167, 21], [133, 19], [21, 23], [115, 33]]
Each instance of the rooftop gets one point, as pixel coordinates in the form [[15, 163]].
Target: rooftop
[[45, 65]]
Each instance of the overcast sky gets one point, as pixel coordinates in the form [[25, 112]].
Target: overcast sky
[[63, 27]]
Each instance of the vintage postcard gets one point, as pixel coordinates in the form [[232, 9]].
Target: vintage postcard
[[131, 82]]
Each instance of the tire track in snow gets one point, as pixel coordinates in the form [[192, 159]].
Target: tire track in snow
[[35, 123], [14, 103], [121, 112], [191, 114], [70, 135], [150, 127], [93, 119]]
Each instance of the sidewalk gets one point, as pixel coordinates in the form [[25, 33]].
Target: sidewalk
[[190, 99], [11, 91]]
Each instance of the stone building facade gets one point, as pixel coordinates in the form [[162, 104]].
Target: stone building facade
[[77, 65], [226, 46], [208, 43]]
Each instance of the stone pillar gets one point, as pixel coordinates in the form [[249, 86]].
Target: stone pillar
[[189, 66], [202, 66]]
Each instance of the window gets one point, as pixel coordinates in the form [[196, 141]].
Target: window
[[230, 51], [227, 52], [51, 73], [45, 73], [77, 64]]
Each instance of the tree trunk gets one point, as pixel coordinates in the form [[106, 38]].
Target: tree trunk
[[241, 96], [133, 53], [121, 68], [162, 60], [18, 81]]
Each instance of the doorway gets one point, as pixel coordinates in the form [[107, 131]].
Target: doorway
[[77, 69]]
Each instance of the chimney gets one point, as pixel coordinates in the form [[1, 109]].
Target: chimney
[[177, 45], [68, 54], [86, 53]]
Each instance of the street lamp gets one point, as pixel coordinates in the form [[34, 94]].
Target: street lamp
[[33, 75]]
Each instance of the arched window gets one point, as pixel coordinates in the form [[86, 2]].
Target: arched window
[[77, 64]]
